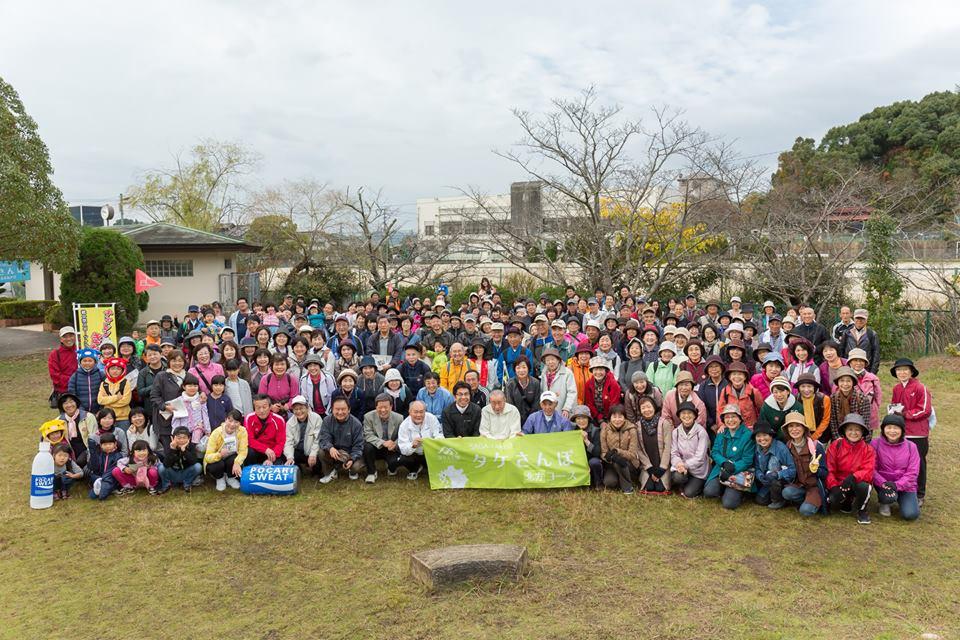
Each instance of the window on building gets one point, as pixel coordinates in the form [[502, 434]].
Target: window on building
[[428, 229], [227, 263], [169, 268]]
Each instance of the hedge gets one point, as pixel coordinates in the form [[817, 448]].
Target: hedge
[[21, 309], [52, 316]]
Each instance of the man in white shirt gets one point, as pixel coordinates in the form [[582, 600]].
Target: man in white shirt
[[418, 426], [499, 420]]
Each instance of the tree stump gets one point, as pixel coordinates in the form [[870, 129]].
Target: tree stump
[[436, 568]]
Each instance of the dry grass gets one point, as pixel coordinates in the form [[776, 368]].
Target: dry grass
[[333, 561]]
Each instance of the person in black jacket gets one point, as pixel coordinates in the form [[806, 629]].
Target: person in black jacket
[[462, 418], [810, 329], [165, 388], [860, 336], [180, 464], [523, 391]]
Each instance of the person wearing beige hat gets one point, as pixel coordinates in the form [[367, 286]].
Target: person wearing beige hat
[[809, 457], [602, 391], [779, 403], [680, 339], [683, 392], [860, 336], [847, 399], [868, 383]]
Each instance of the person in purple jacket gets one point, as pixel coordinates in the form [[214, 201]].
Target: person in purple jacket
[[897, 467]]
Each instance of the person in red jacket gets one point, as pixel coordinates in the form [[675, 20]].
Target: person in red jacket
[[913, 401], [850, 466], [602, 392], [62, 361], [266, 434]]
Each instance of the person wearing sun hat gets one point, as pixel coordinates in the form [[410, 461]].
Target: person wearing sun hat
[[663, 372], [733, 458], [809, 460], [740, 393], [602, 391], [912, 400], [847, 399], [851, 463], [868, 383], [774, 466]]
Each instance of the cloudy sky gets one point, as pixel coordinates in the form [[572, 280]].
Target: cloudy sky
[[412, 96]]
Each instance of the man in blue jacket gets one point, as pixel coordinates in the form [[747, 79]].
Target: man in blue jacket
[[547, 420]]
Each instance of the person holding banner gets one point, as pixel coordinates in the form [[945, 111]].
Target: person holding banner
[[547, 420], [462, 418], [499, 420], [266, 433], [418, 426]]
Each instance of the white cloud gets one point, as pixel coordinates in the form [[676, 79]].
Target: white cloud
[[412, 96]]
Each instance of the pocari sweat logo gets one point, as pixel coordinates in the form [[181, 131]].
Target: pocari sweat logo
[[270, 479], [41, 485]]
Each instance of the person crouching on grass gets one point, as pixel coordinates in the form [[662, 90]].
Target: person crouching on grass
[[733, 457], [139, 469], [226, 451], [266, 433], [620, 450], [104, 455], [897, 468], [689, 452], [341, 442], [808, 454], [850, 467], [591, 443], [774, 465], [180, 466]]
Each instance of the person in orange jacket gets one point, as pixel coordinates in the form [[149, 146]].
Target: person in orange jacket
[[741, 393]]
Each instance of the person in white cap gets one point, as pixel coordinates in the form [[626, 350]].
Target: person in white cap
[[62, 362], [736, 305], [548, 419], [302, 446], [860, 336]]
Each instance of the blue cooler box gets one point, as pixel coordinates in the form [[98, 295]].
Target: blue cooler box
[[276, 480]]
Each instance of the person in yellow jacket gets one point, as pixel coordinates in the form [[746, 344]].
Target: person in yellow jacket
[[227, 451], [457, 367], [116, 391]]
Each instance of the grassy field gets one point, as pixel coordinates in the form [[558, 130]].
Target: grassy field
[[333, 561]]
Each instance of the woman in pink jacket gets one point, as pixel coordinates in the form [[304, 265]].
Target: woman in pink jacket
[[682, 392], [912, 400], [868, 383], [897, 467], [205, 368]]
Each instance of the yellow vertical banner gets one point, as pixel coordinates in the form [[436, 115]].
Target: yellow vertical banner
[[94, 324]]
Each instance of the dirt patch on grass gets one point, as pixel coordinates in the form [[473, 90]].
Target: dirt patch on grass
[[759, 567]]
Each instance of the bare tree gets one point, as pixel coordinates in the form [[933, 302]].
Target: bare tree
[[801, 246], [384, 251], [606, 181]]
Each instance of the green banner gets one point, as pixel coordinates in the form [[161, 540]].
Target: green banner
[[545, 461]]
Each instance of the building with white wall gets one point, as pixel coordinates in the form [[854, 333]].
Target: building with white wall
[[193, 267]]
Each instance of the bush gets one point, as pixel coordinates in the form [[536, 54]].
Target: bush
[[52, 316], [108, 261], [335, 285], [527, 287], [21, 309]]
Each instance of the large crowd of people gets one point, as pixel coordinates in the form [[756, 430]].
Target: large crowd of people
[[679, 398]]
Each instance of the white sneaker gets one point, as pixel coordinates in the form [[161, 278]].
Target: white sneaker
[[330, 477], [353, 475], [96, 486], [221, 484], [391, 473], [371, 478], [413, 474], [884, 510], [198, 481], [233, 483]]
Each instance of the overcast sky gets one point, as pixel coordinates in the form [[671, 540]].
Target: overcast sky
[[412, 96]]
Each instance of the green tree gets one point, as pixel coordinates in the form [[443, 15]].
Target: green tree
[[106, 273], [35, 224], [882, 285], [203, 190]]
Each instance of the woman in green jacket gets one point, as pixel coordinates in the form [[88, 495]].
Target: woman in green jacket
[[732, 454]]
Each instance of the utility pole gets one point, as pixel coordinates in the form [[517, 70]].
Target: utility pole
[[121, 209]]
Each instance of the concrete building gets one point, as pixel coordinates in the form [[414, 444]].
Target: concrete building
[[193, 267]]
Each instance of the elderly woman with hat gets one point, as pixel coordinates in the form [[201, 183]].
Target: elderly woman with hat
[[847, 399], [683, 392], [602, 392], [689, 452], [868, 383], [806, 489], [779, 403], [897, 469], [851, 462], [663, 372], [733, 458], [912, 400], [739, 392], [556, 377], [316, 385]]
